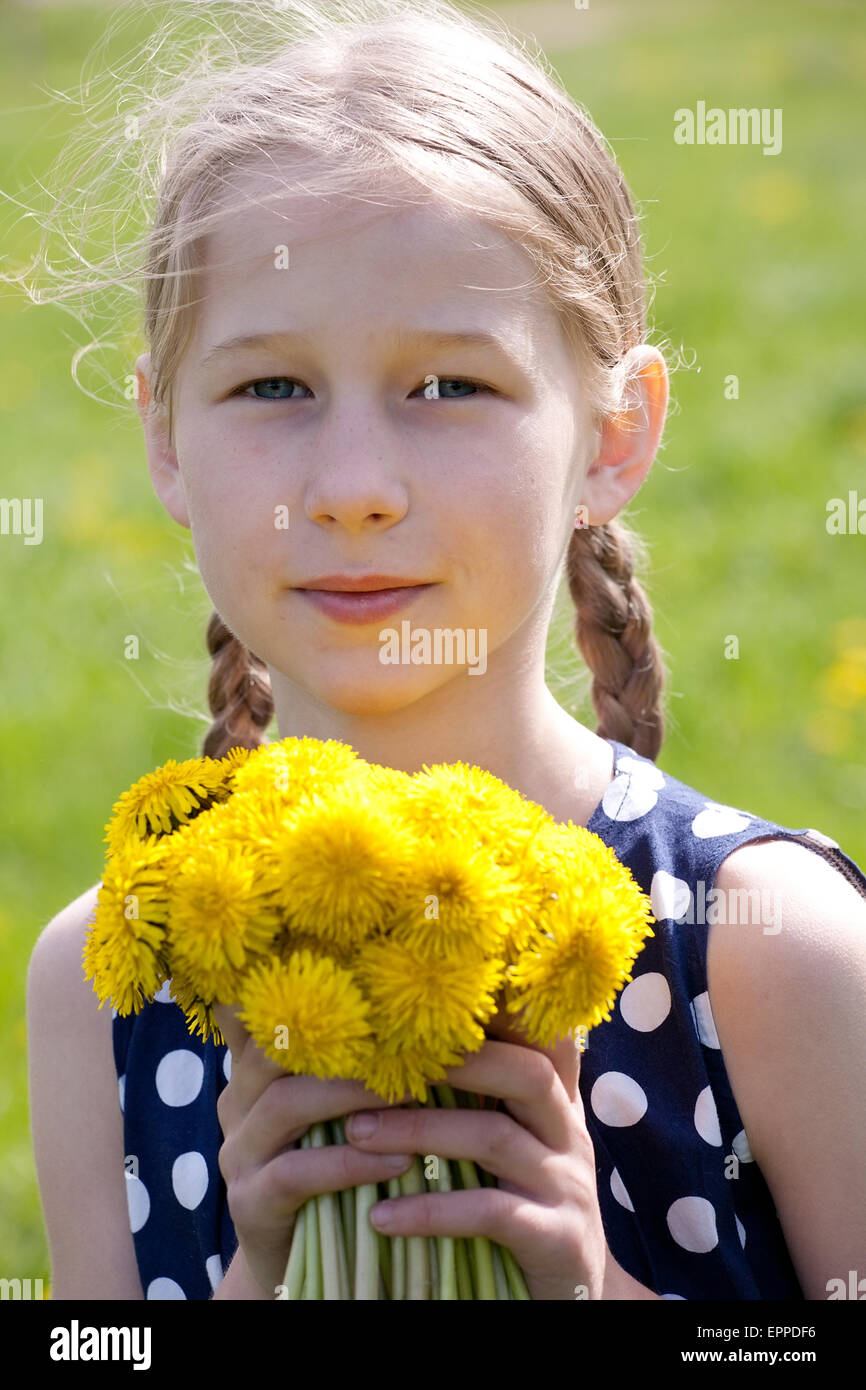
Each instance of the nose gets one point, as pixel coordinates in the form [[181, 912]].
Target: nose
[[357, 481]]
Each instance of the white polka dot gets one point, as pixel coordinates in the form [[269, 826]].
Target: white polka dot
[[741, 1148], [189, 1178], [617, 1099], [741, 1231], [707, 1117], [673, 1295], [634, 790], [702, 1017], [718, 820], [137, 1201], [179, 1077], [646, 1002], [121, 1090], [164, 1288], [163, 995], [214, 1268], [822, 839], [113, 1014], [227, 1065], [669, 896], [617, 1187], [692, 1223]]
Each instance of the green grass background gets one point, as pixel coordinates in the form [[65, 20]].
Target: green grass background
[[759, 270]]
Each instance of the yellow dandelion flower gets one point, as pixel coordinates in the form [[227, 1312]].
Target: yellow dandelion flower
[[160, 801], [296, 767], [460, 902], [545, 864], [124, 952], [392, 1074], [346, 863], [419, 1002], [579, 955], [308, 1015], [388, 781], [448, 795], [198, 1012], [219, 917]]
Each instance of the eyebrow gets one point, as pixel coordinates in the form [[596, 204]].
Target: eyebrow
[[402, 340]]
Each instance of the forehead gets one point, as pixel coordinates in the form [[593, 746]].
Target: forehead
[[320, 260]]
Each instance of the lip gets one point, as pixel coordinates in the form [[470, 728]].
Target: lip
[[358, 607], [355, 583]]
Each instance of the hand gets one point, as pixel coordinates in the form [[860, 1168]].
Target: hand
[[263, 1113], [545, 1208]]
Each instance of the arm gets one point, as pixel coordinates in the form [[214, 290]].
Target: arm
[[619, 1285], [76, 1119], [790, 1011], [239, 1282]]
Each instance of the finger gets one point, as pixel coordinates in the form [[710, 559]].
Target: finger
[[492, 1139], [286, 1107], [281, 1187], [527, 1080], [503, 1217], [565, 1053]]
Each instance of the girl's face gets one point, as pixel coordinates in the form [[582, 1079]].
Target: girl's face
[[310, 442]]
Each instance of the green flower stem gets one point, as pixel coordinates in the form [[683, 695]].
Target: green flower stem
[[294, 1275], [367, 1244], [514, 1275], [465, 1290], [347, 1206], [503, 1289], [445, 1277], [398, 1253], [445, 1244], [327, 1211], [385, 1257], [313, 1271], [417, 1255], [479, 1245]]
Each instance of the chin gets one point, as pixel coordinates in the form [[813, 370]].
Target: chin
[[375, 696]]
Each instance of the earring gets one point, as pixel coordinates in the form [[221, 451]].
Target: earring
[[581, 518]]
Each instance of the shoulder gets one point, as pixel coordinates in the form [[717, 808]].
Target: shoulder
[[76, 1121], [788, 995]]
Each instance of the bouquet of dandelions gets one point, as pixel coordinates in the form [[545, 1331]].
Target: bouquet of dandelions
[[367, 924]]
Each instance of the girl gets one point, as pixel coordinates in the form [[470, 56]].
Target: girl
[[398, 371]]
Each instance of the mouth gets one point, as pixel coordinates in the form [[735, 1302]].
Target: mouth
[[356, 605]]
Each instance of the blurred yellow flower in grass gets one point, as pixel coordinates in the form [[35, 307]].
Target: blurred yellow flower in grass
[[160, 801], [124, 953], [308, 1015]]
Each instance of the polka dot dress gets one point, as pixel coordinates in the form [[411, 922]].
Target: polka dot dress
[[685, 1207]]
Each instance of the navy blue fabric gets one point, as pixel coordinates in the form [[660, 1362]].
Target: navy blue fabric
[[685, 1207]]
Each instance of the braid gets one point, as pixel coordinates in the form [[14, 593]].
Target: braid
[[614, 634], [239, 693]]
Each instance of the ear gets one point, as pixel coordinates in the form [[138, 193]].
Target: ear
[[629, 439], [161, 457]]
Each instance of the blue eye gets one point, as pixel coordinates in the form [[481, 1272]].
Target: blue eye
[[272, 388], [477, 387]]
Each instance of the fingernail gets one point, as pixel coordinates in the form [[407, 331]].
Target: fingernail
[[362, 1126], [382, 1213]]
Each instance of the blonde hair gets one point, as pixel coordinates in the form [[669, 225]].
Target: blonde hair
[[457, 107]]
